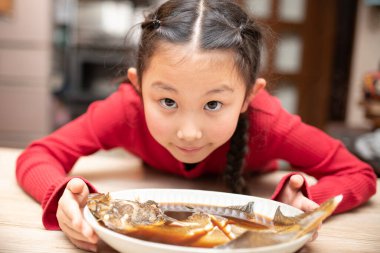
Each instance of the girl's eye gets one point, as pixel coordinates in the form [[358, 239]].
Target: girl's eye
[[213, 106], [168, 103]]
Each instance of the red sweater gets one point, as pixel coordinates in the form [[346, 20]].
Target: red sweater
[[119, 121]]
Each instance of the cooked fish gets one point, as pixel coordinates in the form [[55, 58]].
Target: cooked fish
[[202, 225]]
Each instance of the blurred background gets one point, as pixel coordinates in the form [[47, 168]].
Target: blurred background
[[57, 56]]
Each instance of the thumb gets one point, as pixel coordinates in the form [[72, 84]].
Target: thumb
[[79, 189], [296, 182]]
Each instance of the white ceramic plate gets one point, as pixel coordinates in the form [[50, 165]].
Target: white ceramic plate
[[126, 244]]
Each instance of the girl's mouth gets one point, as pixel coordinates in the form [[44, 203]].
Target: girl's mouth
[[189, 149]]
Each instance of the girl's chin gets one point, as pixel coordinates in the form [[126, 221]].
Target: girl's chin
[[189, 158]]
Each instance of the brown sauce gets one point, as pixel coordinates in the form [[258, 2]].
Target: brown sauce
[[193, 236]]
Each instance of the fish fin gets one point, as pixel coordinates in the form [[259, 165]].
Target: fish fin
[[248, 208], [282, 220]]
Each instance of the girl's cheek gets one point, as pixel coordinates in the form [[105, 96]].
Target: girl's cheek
[[222, 129], [157, 123], [229, 121]]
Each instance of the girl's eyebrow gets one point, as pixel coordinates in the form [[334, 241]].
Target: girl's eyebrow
[[167, 87], [164, 86], [221, 89]]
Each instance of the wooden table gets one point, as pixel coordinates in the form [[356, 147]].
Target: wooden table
[[21, 229]]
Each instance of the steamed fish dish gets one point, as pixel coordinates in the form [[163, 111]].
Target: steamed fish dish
[[202, 225]]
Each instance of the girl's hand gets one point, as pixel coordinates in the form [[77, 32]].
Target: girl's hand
[[292, 195], [70, 217]]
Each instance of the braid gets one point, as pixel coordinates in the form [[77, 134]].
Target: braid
[[233, 173]]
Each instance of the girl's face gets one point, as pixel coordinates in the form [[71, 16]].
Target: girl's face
[[192, 100]]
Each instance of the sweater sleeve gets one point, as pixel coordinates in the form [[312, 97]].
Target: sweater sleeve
[[313, 152], [278, 134], [42, 169]]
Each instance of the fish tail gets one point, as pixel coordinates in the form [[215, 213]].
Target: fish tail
[[312, 220]]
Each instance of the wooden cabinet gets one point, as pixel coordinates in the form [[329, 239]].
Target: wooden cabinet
[[25, 68], [308, 54]]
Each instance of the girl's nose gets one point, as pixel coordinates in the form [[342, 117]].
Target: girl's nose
[[189, 133]]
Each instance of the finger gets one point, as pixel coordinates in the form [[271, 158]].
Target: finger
[[309, 205], [78, 235], [84, 245], [88, 231], [64, 219], [296, 182], [71, 209], [314, 236], [61, 216], [83, 229], [70, 232]]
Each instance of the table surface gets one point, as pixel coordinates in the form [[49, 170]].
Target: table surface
[[21, 229]]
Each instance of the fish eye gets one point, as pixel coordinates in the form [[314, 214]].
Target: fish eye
[[168, 103], [213, 106]]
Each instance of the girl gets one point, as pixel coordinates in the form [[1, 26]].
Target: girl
[[195, 106]]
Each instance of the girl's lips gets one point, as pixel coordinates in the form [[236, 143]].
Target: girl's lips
[[189, 149]]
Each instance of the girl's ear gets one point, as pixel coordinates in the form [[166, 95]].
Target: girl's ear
[[132, 76], [259, 85]]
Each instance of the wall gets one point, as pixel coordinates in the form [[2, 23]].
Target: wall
[[25, 64], [366, 57]]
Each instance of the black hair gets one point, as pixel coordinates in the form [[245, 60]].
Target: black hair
[[211, 25]]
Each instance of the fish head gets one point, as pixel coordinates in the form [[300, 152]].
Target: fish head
[[148, 213], [98, 203]]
